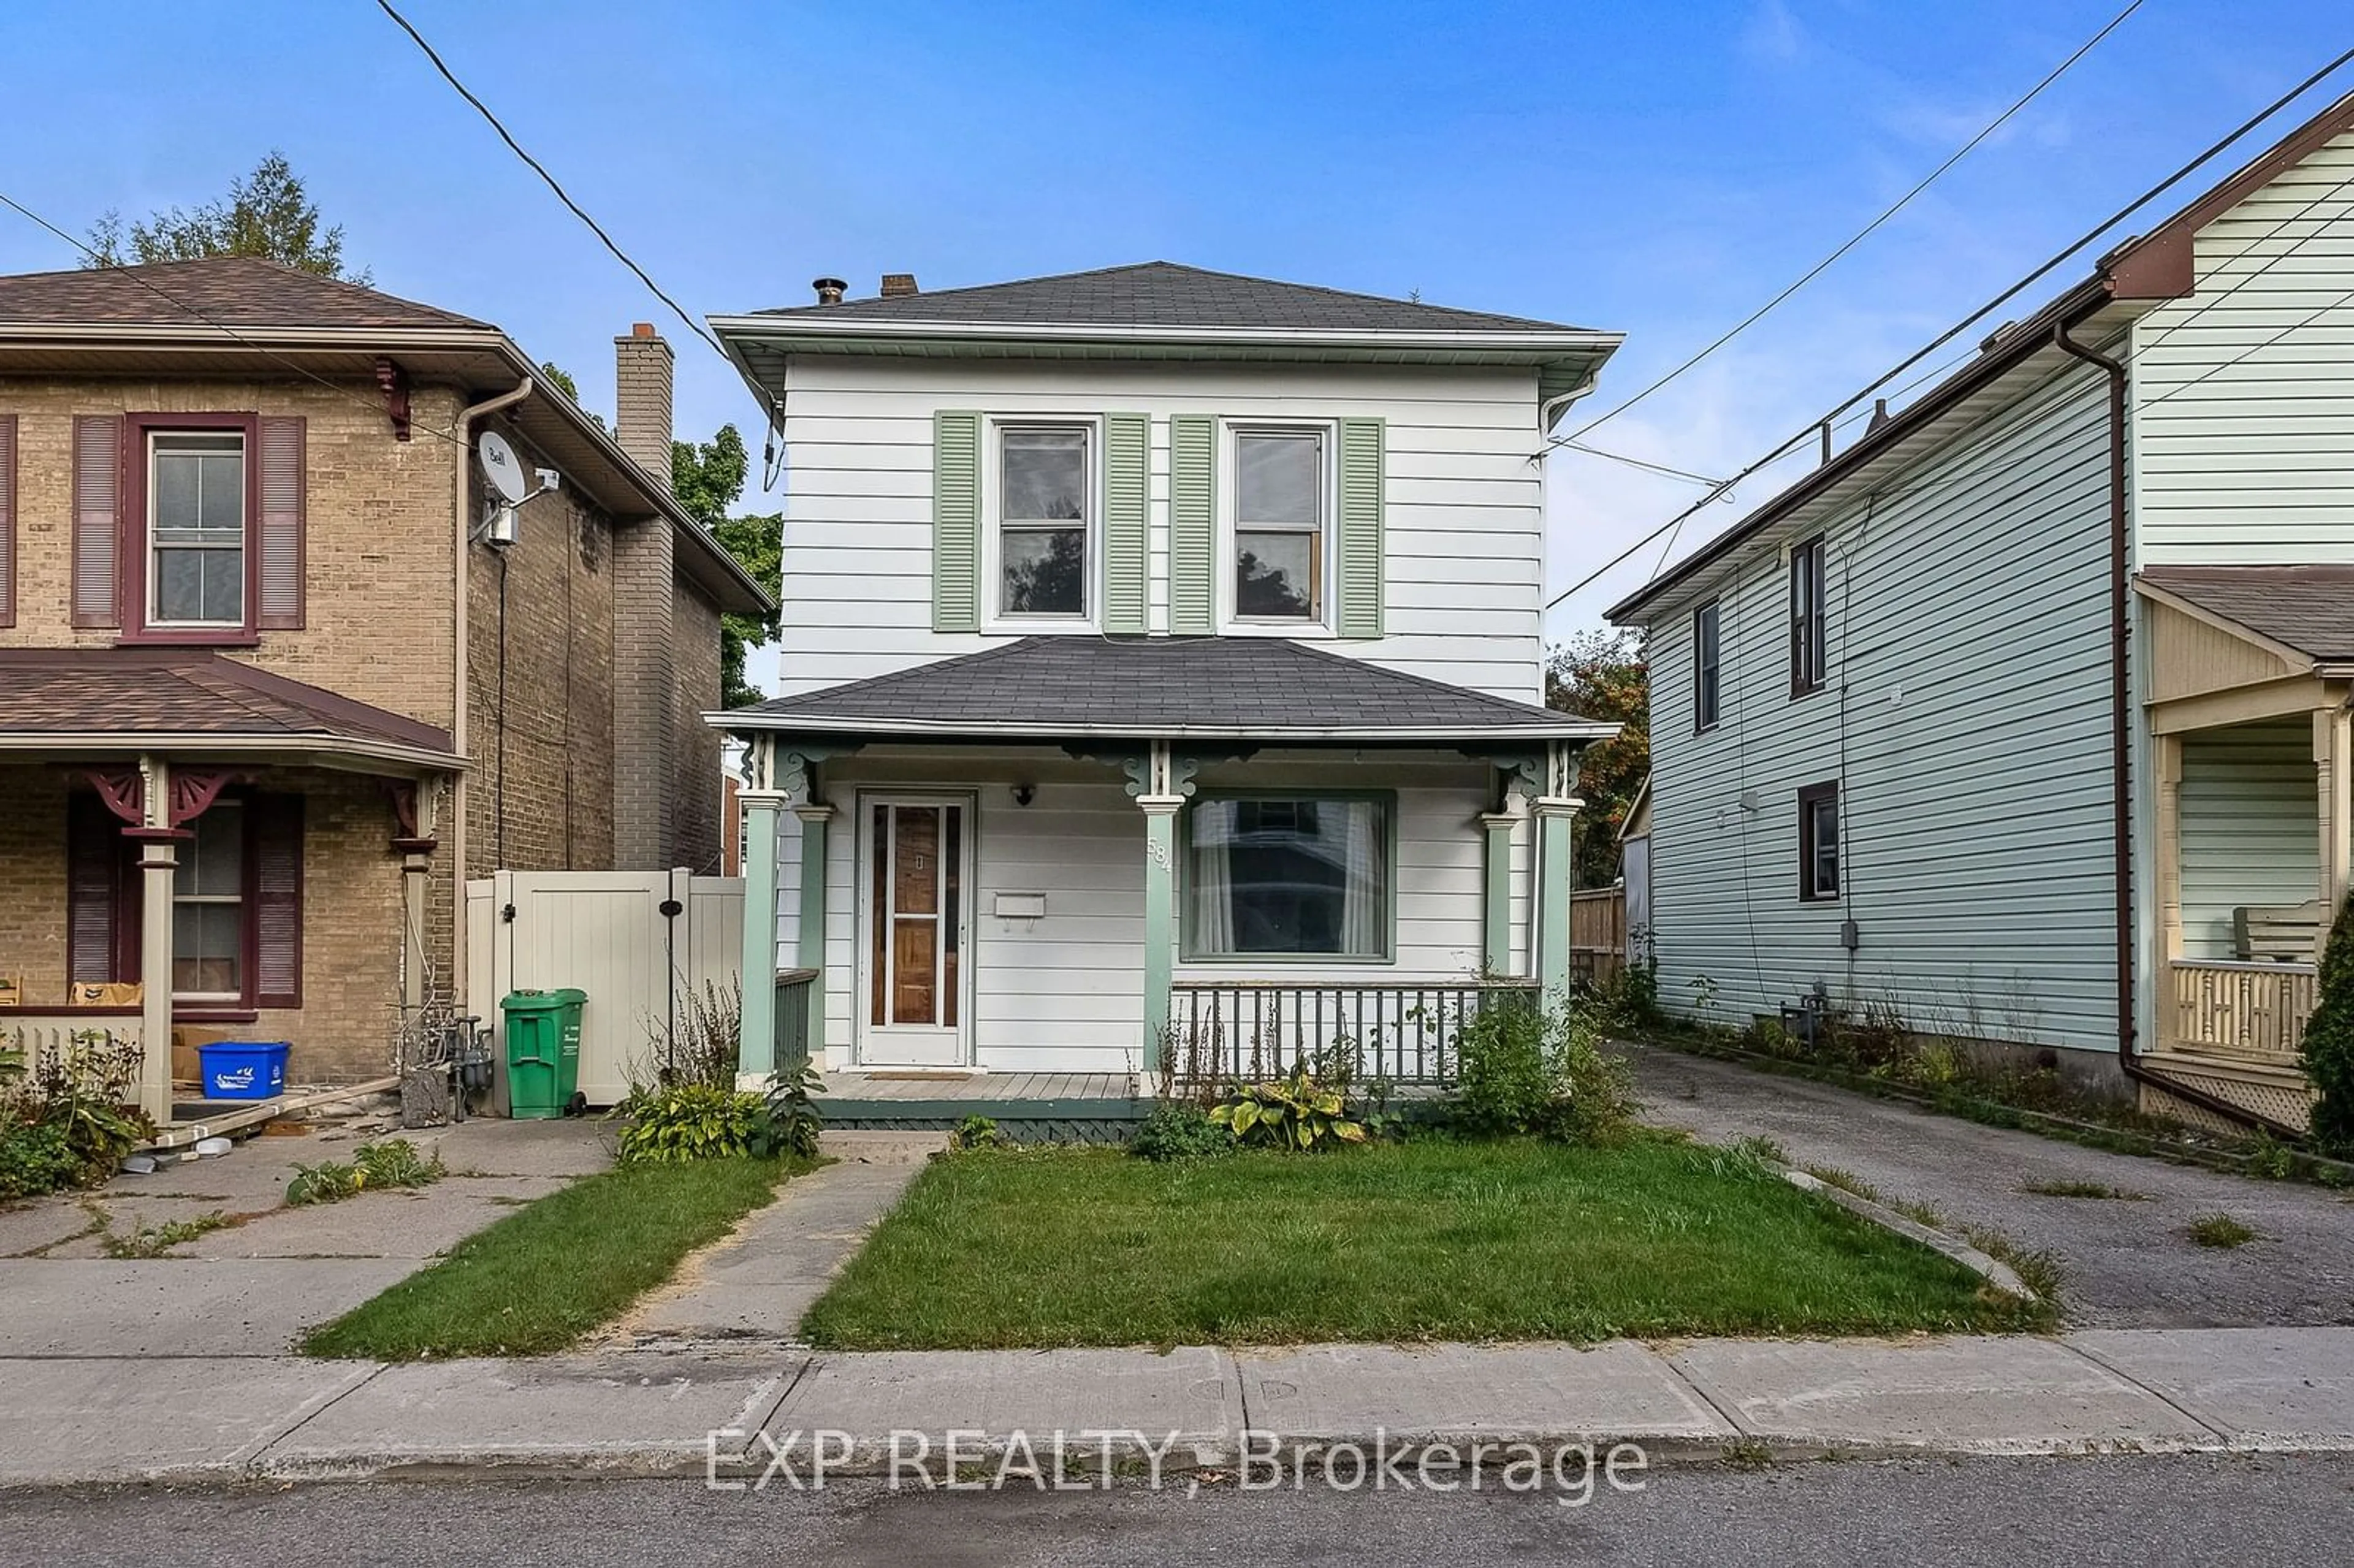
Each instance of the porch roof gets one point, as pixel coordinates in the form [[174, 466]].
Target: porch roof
[[120, 701], [1247, 688], [2308, 608]]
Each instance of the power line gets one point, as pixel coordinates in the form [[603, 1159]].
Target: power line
[[1813, 427], [102, 264], [540, 169], [1640, 462], [1819, 268]]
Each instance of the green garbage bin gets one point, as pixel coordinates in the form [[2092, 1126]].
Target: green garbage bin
[[543, 1051]]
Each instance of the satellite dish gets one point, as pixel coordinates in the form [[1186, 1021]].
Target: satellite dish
[[499, 467]]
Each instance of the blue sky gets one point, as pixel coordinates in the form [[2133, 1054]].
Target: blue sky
[[1656, 169]]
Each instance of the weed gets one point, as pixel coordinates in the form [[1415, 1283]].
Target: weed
[[978, 1132], [1758, 1146], [2220, 1231], [1748, 1453], [2082, 1189], [155, 1241], [1845, 1181]]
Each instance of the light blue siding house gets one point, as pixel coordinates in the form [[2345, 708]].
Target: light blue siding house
[[2025, 718]]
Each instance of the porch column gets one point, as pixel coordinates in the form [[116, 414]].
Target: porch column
[[1556, 815], [1159, 918], [158, 858], [756, 1045], [2333, 762], [814, 816], [1497, 922], [2165, 854]]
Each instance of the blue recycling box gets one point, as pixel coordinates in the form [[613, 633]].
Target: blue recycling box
[[243, 1069]]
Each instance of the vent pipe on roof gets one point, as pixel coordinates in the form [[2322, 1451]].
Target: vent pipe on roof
[[898, 285], [1879, 414], [829, 290]]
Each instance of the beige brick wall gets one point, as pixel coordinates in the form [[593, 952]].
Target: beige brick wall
[[694, 749], [350, 915], [558, 724], [378, 607]]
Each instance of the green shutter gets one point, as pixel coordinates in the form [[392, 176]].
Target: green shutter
[[1127, 479], [1193, 525], [956, 521], [1360, 543]]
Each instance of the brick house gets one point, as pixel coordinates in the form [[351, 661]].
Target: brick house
[[267, 695]]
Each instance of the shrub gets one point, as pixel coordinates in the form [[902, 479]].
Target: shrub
[[1526, 1070], [688, 1121], [2330, 1043], [789, 1122], [66, 1116], [1302, 1111], [35, 1158], [1176, 1130]]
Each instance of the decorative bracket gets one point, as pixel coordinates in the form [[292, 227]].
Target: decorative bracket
[[413, 802], [124, 790], [394, 381]]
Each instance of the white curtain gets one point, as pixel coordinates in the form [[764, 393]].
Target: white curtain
[[1210, 877], [1364, 898]]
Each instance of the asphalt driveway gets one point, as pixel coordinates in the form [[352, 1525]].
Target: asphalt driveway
[[2130, 1261]]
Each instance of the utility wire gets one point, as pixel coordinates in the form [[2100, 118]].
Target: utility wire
[[101, 263], [1819, 268], [1640, 463], [540, 169], [1813, 427]]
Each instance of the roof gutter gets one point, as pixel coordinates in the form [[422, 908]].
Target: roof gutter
[[786, 329], [747, 720], [2121, 757]]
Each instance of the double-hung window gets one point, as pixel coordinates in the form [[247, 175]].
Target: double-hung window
[[1707, 681], [1287, 876], [1044, 519], [1281, 489], [208, 909], [196, 528], [1808, 662], [1819, 842]]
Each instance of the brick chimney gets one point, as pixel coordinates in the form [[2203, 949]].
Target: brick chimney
[[898, 285], [641, 393], [647, 714]]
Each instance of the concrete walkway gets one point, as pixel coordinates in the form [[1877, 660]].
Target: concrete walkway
[[2129, 1259], [724, 1409]]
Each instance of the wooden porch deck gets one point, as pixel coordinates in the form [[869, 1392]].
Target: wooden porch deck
[[883, 1086]]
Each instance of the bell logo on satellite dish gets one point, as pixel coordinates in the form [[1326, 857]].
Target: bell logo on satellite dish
[[505, 476]]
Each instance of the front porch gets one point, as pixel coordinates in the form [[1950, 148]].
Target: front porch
[[1034, 908], [2252, 759]]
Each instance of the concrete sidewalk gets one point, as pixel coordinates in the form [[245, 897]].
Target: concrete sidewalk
[[685, 1412]]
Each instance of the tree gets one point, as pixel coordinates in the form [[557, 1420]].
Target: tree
[[707, 480], [1601, 676], [266, 214], [2329, 1042]]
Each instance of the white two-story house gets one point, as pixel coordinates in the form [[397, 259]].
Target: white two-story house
[[1161, 681], [2024, 717]]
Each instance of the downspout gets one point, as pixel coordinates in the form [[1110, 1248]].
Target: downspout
[[461, 515], [2121, 755]]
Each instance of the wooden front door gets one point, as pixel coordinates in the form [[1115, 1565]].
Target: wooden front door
[[914, 892]]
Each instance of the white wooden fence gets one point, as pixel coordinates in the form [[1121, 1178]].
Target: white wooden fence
[[641, 943]]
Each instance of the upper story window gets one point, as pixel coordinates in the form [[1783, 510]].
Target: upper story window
[[1819, 842], [1808, 643], [1042, 521], [1281, 487], [196, 528], [1707, 680]]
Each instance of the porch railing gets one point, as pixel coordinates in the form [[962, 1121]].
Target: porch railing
[[2231, 1008], [1239, 1031], [34, 1036], [792, 1036]]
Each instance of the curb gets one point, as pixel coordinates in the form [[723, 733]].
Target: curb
[[1991, 1269]]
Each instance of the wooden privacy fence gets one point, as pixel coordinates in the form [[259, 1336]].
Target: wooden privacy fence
[[1598, 933], [643, 944]]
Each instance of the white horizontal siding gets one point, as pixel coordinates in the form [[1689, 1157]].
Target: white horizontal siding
[[2243, 392], [1464, 515], [1966, 719], [1064, 992], [2248, 827]]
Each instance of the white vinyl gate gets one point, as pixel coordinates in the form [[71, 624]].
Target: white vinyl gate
[[639, 942]]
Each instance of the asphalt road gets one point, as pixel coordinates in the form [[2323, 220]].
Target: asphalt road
[[2146, 1511], [2130, 1261]]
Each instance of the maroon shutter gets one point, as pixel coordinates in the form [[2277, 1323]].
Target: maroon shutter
[[95, 912], [97, 519], [276, 823], [281, 604], [7, 519]]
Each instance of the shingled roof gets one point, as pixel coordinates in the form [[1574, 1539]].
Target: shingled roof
[[227, 290], [1165, 294], [1154, 687], [2309, 609], [118, 698]]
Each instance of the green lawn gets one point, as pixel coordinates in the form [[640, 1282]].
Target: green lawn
[[558, 1267], [1418, 1241]]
